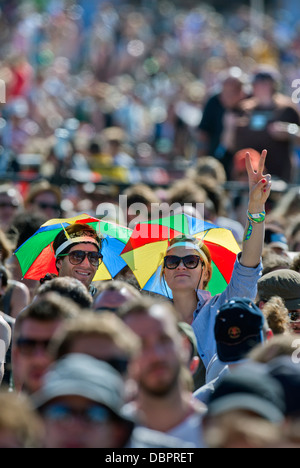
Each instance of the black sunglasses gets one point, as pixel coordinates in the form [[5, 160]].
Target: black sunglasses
[[28, 346], [44, 206], [76, 257], [171, 262], [119, 364]]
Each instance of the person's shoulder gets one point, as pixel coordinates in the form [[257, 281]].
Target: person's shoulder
[[147, 438]]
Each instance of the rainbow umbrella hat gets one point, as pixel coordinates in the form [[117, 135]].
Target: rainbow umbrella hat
[[148, 243], [36, 255]]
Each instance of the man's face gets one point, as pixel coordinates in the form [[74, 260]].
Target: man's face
[[157, 367], [77, 422], [30, 355], [83, 271]]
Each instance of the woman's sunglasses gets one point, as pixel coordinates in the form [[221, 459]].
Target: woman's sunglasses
[[171, 262], [76, 257]]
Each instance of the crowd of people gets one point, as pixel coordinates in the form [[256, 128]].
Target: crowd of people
[[112, 105]]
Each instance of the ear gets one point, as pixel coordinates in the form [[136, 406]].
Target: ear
[[194, 364], [58, 263]]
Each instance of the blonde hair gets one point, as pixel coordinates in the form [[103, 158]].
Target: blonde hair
[[106, 325], [196, 244], [277, 316]]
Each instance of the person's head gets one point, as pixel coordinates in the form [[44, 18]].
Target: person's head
[[237, 430], [113, 294], [273, 261], [265, 82], [276, 240], [77, 250], [81, 404], [157, 368], [232, 91], [68, 287], [239, 327], [249, 393], [285, 284], [287, 373], [20, 425], [26, 224], [187, 264], [34, 327], [277, 316], [11, 202], [278, 346], [103, 336], [295, 265], [140, 197], [44, 198]]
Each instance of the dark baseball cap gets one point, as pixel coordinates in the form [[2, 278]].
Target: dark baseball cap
[[287, 373], [284, 283], [249, 388], [82, 375], [238, 329]]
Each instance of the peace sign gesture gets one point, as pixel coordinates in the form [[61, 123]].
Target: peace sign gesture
[[259, 184]]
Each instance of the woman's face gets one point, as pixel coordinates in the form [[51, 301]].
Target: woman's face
[[183, 278]]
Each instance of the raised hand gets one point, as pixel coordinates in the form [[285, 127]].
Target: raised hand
[[259, 184]]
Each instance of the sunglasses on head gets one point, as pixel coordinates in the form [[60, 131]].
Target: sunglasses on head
[[171, 262], [76, 257], [83, 233]]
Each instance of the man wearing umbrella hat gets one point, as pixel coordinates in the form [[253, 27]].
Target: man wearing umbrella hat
[[77, 251]]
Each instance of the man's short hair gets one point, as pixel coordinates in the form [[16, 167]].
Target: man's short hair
[[47, 308], [68, 287], [74, 234], [106, 325]]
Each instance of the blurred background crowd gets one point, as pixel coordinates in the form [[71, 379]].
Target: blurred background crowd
[[101, 91], [153, 100], [157, 101]]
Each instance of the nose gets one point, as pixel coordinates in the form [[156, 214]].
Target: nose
[[181, 264]]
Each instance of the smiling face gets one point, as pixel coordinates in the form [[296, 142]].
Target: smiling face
[[183, 278], [85, 271]]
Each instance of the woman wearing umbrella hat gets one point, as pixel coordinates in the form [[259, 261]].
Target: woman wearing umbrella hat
[[187, 267]]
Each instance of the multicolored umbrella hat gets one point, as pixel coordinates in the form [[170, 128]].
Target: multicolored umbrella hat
[[146, 248], [36, 255]]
